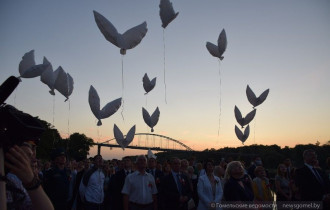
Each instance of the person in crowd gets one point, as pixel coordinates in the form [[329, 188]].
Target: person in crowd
[[312, 183], [117, 182], [282, 184], [192, 161], [287, 163], [159, 166], [23, 187], [139, 191], [235, 189], [194, 180], [209, 187], [76, 202], [220, 172], [175, 188], [223, 163], [166, 168], [109, 172], [261, 186], [184, 166], [157, 174], [91, 186], [328, 167], [256, 162], [199, 169], [57, 180]]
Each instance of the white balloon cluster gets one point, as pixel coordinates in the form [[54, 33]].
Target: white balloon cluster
[[255, 101], [128, 40], [56, 80]]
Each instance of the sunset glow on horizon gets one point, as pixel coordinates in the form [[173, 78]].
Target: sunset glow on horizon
[[280, 45]]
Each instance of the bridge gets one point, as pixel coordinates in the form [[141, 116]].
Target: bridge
[[145, 141]]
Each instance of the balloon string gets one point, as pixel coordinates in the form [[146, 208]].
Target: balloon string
[[164, 64], [69, 119], [53, 119], [53, 110], [219, 98], [122, 83], [255, 122], [98, 134]]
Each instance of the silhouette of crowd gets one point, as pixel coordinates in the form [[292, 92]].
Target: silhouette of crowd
[[143, 183]]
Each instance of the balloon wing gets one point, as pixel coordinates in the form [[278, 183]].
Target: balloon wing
[[244, 121], [121, 140], [110, 108], [132, 37], [249, 117], [242, 137], [166, 12], [222, 43], [27, 67], [108, 30], [146, 117], [147, 84], [94, 103], [155, 118], [48, 77], [213, 49], [238, 116], [263, 97], [252, 98], [63, 83], [256, 101], [151, 155], [118, 135]]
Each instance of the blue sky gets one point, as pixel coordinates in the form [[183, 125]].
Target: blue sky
[[280, 45]]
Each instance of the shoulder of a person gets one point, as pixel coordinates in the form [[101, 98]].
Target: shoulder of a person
[[202, 177], [217, 178]]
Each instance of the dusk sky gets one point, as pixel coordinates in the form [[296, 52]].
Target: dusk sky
[[281, 45]]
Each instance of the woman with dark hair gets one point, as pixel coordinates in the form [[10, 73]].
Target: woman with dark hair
[[261, 185], [209, 187], [282, 184]]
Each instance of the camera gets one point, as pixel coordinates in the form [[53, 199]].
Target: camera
[[16, 126]]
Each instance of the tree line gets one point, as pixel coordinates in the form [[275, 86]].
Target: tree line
[[78, 145]]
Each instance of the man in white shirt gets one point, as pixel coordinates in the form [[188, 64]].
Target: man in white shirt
[[139, 191], [91, 187]]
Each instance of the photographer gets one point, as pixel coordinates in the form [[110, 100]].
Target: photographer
[[19, 163]]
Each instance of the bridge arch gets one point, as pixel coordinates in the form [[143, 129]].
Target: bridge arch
[[152, 134]]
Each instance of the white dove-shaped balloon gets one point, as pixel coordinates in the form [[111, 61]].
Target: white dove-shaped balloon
[[121, 140], [63, 83], [152, 120], [94, 103], [27, 67], [242, 137], [128, 40], [49, 76], [166, 12], [247, 119], [215, 50], [147, 84], [151, 155], [256, 101]]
